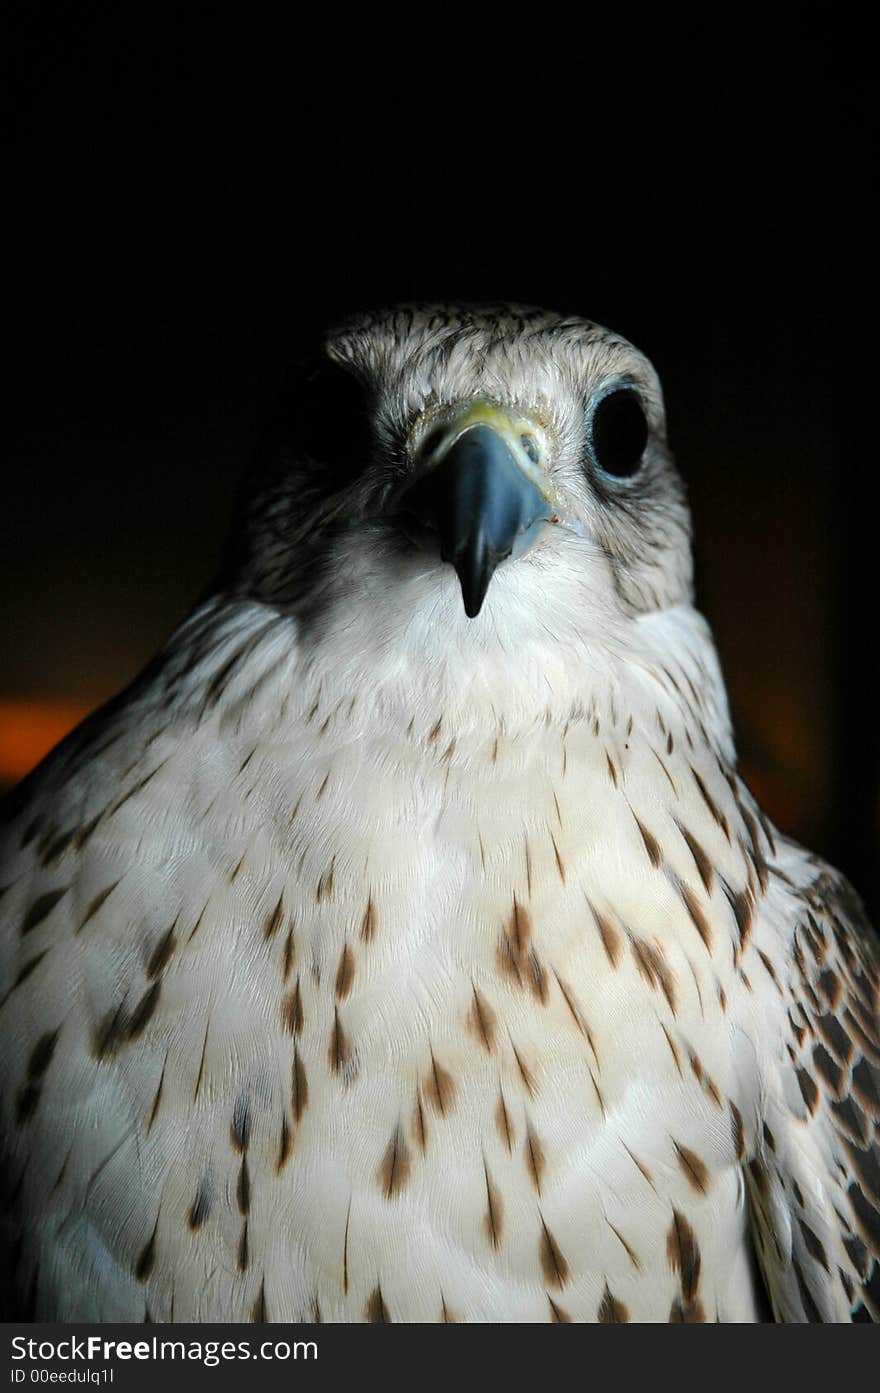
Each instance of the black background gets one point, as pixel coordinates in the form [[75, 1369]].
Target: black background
[[189, 193]]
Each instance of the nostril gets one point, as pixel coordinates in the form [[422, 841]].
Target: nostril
[[530, 446]]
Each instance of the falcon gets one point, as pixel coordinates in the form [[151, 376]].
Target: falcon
[[403, 944]]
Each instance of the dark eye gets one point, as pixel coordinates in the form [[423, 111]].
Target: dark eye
[[331, 420], [618, 433]]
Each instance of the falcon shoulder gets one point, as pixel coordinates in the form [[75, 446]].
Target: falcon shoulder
[[813, 1183], [124, 827]]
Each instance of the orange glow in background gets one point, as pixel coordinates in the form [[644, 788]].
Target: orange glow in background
[[30, 729]]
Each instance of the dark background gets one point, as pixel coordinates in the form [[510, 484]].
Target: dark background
[[188, 196]]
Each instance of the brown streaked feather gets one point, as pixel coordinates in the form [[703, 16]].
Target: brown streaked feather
[[201, 1206], [611, 941], [575, 1011], [420, 1125], [553, 1263], [712, 807], [483, 1021], [504, 1124], [742, 902], [162, 953], [557, 1315], [696, 914], [110, 1032], [652, 965], [639, 1166], [535, 1157], [525, 1072], [344, 973], [154, 1111], [560, 864], [519, 930], [687, 1313], [146, 1260], [598, 1092], [652, 846], [737, 1130], [338, 1051], [284, 1146], [611, 1311], [493, 1220], [700, 858], [627, 1248], [394, 1170], [259, 1314], [241, 1124], [29, 1093], [299, 1087], [683, 1254], [376, 1312], [439, 1088], [201, 1073], [288, 955], [325, 884], [695, 1171], [274, 920], [243, 1188], [23, 974], [536, 978], [831, 1262], [345, 1250], [243, 1256], [144, 1010], [41, 910], [673, 1049], [292, 1011]]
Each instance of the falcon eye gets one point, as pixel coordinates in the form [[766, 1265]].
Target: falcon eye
[[331, 422], [618, 433]]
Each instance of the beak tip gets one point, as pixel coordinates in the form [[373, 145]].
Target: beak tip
[[474, 566]]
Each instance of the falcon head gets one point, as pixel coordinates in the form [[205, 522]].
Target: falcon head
[[495, 470]]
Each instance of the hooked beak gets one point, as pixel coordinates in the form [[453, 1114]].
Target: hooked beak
[[482, 493]]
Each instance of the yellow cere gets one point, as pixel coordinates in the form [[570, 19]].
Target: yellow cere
[[480, 411]]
